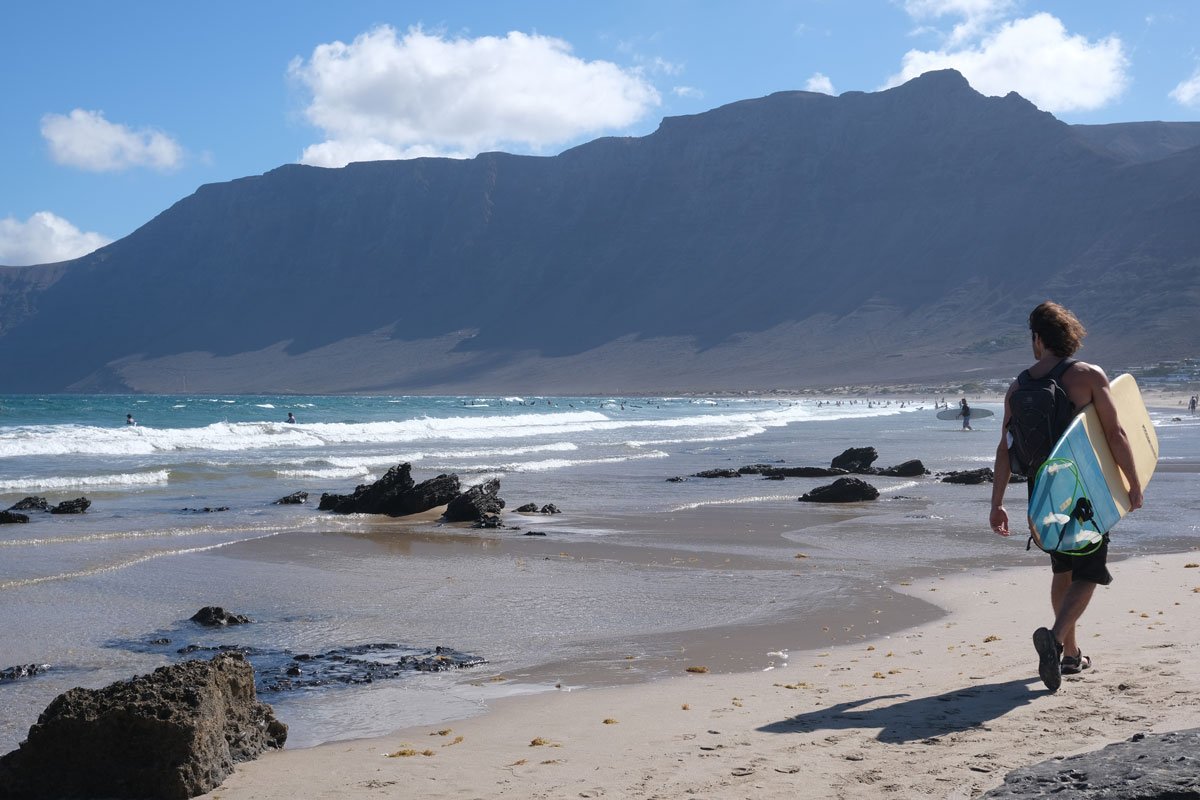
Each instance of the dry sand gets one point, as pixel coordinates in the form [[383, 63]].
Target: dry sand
[[943, 711]]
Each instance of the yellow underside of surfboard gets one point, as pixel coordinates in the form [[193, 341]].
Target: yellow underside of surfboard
[[1143, 441]]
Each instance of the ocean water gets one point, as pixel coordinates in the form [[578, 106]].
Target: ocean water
[[635, 571]]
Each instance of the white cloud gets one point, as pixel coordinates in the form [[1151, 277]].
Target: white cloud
[[1037, 58], [1187, 93], [85, 139], [389, 96], [44, 239], [819, 82], [690, 92], [662, 66], [976, 15]]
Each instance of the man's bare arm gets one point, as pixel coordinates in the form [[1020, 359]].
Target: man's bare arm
[[1114, 433], [1001, 471]]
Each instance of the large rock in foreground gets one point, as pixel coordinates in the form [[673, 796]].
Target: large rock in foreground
[[173, 734], [1158, 766], [395, 494]]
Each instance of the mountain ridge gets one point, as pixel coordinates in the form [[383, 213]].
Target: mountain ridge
[[791, 240]]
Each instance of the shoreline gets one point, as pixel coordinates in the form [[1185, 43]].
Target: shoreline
[[942, 709]]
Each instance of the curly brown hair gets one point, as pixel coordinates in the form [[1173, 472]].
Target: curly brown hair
[[1061, 331]]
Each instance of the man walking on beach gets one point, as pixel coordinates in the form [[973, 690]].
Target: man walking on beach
[[1057, 335]]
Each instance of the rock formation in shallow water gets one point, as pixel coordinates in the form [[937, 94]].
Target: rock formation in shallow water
[[215, 616], [395, 494], [76, 506], [476, 503], [843, 490]]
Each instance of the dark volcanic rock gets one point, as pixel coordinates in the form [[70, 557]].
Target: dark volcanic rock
[[76, 506], [802, 472], [293, 499], [528, 508], [394, 494], [489, 521], [843, 490], [856, 459], [1158, 766], [718, 473], [475, 503], [205, 510], [281, 670], [12, 516], [907, 469], [215, 616], [549, 508], [968, 476], [756, 469], [9, 674], [173, 734], [30, 503], [973, 476]]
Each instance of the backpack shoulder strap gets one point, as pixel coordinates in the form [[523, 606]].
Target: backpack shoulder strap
[[1061, 367]]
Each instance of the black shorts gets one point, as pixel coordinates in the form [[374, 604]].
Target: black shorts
[[1093, 567]]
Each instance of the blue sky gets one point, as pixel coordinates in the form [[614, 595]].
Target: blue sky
[[113, 111]]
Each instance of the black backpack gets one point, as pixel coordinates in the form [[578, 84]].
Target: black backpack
[[1040, 412]]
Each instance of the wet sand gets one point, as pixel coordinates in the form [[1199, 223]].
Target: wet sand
[[942, 709]]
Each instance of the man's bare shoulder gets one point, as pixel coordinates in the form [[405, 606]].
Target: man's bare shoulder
[[1081, 372], [1082, 381]]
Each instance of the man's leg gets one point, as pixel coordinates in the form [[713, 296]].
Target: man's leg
[[1070, 599]]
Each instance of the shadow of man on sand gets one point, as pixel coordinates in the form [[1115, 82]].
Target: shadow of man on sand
[[917, 718]]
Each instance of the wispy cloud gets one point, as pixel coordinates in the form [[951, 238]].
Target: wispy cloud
[[1034, 56], [386, 95], [1187, 93], [44, 238], [85, 139], [690, 92], [975, 16], [819, 82]]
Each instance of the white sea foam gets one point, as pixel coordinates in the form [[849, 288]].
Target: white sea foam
[[563, 463], [73, 439], [333, 473], [899, 487], [733, 501], [122, 564], [121, 480]]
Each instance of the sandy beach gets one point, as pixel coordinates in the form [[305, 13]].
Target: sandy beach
[[942, 710]]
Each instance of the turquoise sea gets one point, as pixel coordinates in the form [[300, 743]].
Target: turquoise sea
[[634, 570]]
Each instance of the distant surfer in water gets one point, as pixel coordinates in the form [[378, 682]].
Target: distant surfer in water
[[129, 420], [291, 417], [1057, 335], [964, 411]]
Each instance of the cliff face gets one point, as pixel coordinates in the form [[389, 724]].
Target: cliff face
[[797, 239]]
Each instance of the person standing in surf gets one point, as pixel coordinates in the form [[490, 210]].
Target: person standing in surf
[[964, 411], [1058, 335]]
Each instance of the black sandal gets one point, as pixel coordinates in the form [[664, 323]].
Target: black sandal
[[1073, 665], [1049, 652]]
